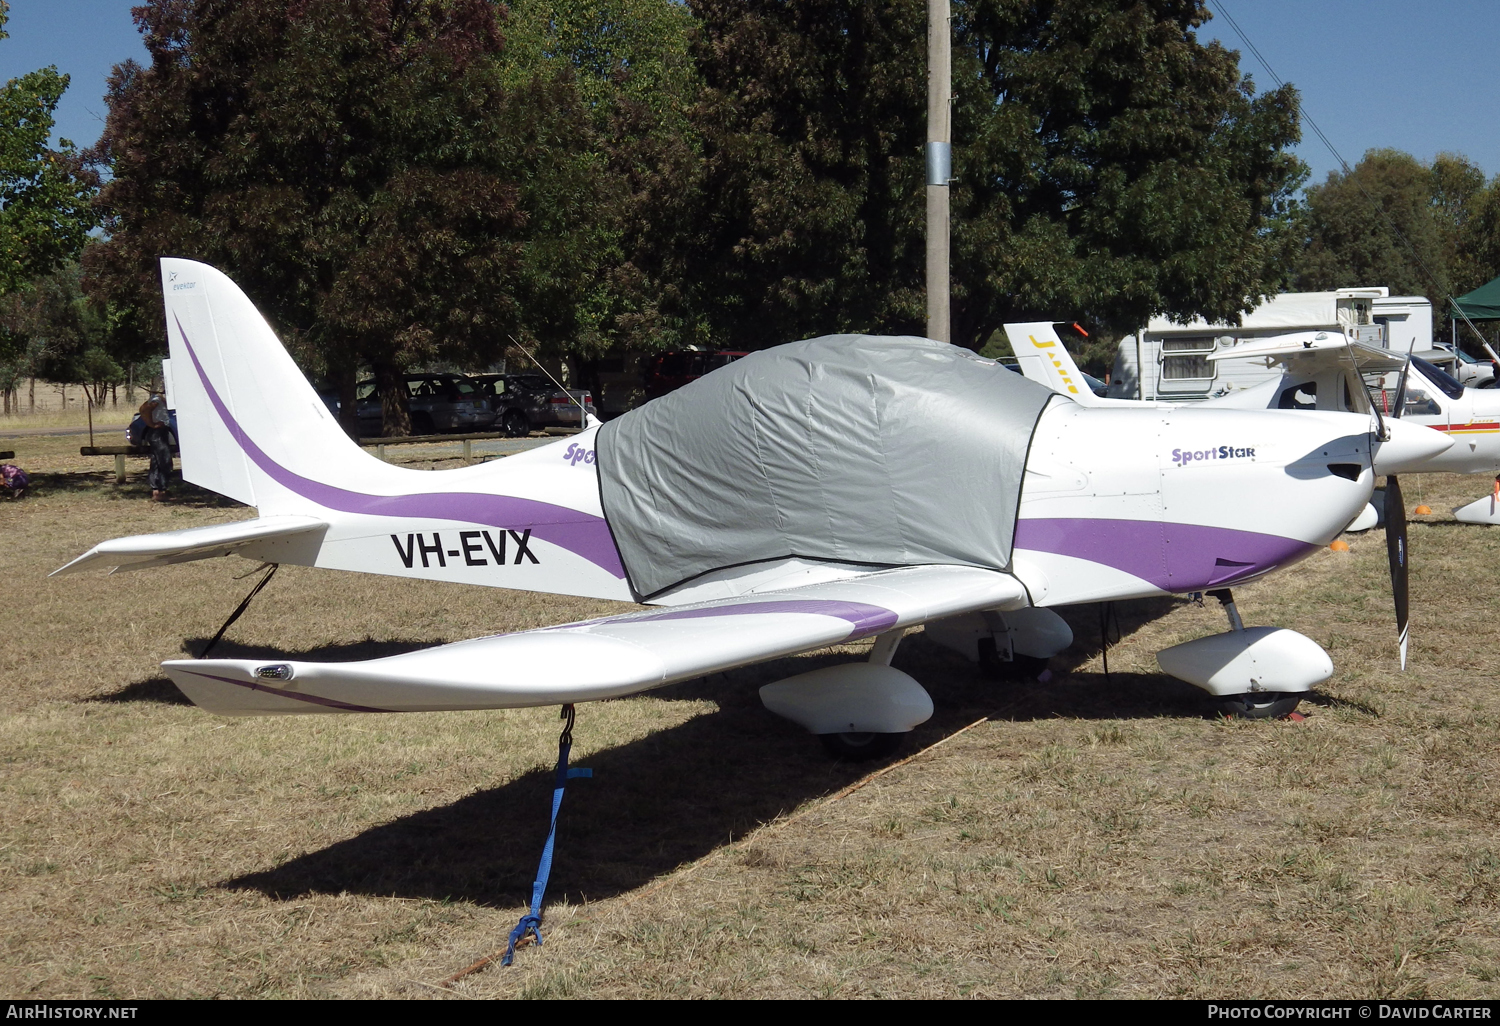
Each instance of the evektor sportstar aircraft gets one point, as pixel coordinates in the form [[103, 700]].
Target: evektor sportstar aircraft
[[808, 495]]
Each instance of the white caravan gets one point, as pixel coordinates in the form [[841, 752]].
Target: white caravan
[[1171, 362]]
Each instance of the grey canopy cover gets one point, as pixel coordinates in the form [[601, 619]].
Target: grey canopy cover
[[846, 448]]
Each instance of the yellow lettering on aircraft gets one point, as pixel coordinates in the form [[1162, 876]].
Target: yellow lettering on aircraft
[[1060, 372]]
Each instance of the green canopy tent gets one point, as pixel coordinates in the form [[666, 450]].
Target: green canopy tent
[[1483, 304]]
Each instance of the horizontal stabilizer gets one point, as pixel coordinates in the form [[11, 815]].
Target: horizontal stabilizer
[[599, 659], [273, 539]]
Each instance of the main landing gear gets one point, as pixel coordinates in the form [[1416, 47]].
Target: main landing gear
[[858, 710], [1252, 672]]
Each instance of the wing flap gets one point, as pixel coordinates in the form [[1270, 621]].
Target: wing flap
[[600, 659], [277, 539]]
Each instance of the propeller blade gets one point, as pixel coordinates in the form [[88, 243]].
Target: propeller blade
[[1395, 544], [1400, 403]]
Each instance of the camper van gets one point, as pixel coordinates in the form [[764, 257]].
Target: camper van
[[1169, 361]]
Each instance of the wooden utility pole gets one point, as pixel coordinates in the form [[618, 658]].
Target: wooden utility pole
[[939, 166]]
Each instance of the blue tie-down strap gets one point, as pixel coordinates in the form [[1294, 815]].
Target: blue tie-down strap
[[531, 922]]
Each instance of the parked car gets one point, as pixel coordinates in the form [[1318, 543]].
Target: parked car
[[669, 371], [438, 403], [522, 402], [1474, 373]]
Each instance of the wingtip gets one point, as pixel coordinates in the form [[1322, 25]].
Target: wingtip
[[73, 566]]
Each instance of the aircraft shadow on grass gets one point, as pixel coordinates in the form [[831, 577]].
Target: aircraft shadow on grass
[[678, 794]]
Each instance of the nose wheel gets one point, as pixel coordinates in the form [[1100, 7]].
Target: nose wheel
[[1256, 673], [860, 747]]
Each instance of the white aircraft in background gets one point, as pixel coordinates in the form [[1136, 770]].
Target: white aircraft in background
[[890, 505], [1324, 370]]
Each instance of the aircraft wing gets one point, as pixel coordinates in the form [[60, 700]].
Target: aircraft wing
[[1304, 347], [274, 539], [598, 659]]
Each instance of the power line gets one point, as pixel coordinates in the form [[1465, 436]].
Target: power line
[[1349, 173]]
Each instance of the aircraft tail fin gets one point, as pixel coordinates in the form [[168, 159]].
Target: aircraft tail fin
[[244, 410], [1045, 359]]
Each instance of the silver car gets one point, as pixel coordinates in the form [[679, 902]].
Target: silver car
[[438, 403], [522, 402]]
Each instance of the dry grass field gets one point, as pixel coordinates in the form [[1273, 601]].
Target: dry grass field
[[1093, 837], [58, 406]]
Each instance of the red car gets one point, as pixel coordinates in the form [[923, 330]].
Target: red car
[[668, 371]]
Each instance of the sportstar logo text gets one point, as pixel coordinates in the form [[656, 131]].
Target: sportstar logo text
[[1182, 457], [472, 548], [578, 454]]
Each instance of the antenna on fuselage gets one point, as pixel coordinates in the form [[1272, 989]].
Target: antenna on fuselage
[[583, 413]]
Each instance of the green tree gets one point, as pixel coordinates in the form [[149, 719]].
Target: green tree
[[1109, 167], [1458, 191], [362, 170], [631, 64], [1478, 252], [812, 121], [61, 335], [45, 193], [1377, 225]]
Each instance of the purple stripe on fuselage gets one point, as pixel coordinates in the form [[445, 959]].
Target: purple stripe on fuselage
[[580, 533], [331, 703], [1173, 557]]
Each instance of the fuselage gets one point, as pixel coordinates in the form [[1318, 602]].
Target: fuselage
[[1116, 503], [1122, 503]]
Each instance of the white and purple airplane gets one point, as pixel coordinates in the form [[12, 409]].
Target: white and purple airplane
[[808, 495]]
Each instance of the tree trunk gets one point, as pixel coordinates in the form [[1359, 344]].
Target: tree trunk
[[395, 409], [348, 411], [32, 401]]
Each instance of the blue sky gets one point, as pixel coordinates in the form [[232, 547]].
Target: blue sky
[[84, 39], [1419, 77]]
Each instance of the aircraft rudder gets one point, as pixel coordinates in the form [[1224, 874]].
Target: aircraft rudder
[[246, 412]]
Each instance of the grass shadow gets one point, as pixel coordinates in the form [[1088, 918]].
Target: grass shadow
[[90, 482], [676, 795], [652, 805], [1089, 631], [157, 689], [348, 652], [1334, 702]]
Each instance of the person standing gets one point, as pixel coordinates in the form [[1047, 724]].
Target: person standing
[[158, 423]]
